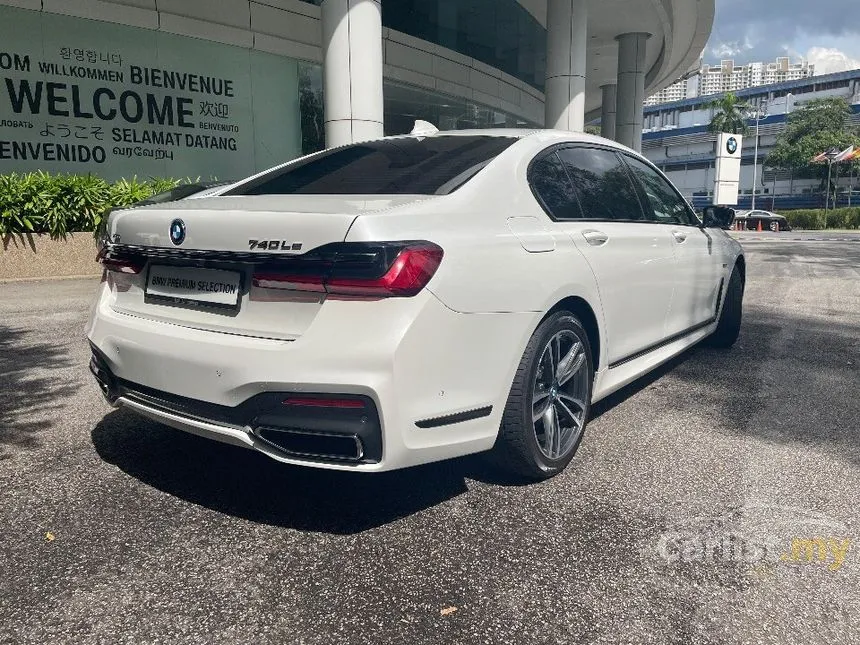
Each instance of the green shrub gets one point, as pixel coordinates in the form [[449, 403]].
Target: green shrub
[[814, 219], [808, 219], [39, 202]]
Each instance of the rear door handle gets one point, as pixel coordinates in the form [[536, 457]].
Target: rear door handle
[[595, 238], [680, 237]]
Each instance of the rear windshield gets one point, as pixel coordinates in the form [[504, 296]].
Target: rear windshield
[[407, 166]]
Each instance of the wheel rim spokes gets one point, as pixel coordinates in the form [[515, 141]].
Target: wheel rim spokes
[[570, 364], [559, 392], [541, 402]]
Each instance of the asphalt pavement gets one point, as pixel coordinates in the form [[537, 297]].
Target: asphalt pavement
[[797, 236], [713, 502]]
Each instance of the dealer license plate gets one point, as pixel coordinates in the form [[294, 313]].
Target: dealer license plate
[[191, 284]]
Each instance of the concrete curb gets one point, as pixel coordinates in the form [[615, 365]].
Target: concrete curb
[[32, 256]]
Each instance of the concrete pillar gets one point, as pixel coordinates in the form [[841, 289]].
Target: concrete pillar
[[567, 38], [607, 113], [631, 89], [352, 70]]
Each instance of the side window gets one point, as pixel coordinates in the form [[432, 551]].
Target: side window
[[602, 184], [552, 185], [667, 205]]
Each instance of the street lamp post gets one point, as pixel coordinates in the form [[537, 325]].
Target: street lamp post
[[760, 113], [831, 158], [788, 106]]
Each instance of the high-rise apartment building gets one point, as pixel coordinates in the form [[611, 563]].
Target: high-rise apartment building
[[686, 88], [728, 77]]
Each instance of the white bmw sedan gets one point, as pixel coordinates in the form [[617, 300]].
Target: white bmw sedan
[[412, 299]]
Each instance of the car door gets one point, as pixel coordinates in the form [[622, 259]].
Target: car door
[[590, 195], [698, 268]]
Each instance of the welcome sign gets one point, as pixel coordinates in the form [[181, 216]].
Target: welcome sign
[[121, 101]]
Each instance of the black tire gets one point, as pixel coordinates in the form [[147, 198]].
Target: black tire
[[729, 326], [517, 450]]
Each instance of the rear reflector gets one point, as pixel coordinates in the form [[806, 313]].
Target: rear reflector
[[325, 403], [367, 269]]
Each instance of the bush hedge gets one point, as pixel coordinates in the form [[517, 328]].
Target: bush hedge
[[40, 202], [814, 219]]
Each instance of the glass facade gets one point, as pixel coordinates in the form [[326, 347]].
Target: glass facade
[[404, 104], [311, 107], [500, 33]]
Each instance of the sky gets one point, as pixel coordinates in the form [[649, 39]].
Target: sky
[[826, 32]]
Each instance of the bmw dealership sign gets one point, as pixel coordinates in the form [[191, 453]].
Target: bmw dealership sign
[[728, 169], [732, 145]]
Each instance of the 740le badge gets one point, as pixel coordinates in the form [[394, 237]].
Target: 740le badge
[[274, 245]]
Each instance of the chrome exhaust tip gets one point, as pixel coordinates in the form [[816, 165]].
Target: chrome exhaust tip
[[312, 445]]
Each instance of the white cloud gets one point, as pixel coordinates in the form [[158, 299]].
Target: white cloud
[[730, 49], [828, 60]]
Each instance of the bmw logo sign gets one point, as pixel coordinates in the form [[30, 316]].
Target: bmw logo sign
[[732, 145], [177, 232]]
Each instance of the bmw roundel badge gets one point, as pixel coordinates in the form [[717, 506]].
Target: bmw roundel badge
[[177, 232], [732, 145]]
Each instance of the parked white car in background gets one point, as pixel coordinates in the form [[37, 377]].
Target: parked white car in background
[[412, 299]]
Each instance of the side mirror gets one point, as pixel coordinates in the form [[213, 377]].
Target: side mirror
[[718, 217]]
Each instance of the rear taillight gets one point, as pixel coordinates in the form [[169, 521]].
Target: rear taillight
[[120, 264], [360, 269]]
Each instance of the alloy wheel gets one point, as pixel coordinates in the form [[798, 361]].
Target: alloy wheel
[[559, 395]]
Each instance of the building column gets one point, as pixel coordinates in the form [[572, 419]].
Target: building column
[[352, 71], [567, 38], [607, 113], [631, 89]]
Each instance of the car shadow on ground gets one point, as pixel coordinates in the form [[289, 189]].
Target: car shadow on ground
[[31, 391], [249, 485], [243, 483]]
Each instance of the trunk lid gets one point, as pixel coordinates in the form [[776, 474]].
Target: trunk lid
[[205, 281]]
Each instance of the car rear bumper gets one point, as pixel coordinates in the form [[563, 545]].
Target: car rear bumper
[[433, 382]]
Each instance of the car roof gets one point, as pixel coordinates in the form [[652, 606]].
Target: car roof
[[517, 133], [542, 137], [522, 133]]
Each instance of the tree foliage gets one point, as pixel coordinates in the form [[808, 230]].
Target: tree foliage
[[39, 202], [730, 116], [821, 125]]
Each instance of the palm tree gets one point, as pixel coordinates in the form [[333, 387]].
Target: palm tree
[[730, 115]]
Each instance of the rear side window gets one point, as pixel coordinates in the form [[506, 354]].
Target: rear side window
[[667, 205], [403, 166], [602, 183], [550, 182]]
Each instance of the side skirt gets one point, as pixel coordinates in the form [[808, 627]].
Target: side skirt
[[663, 343], [622, 374]]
